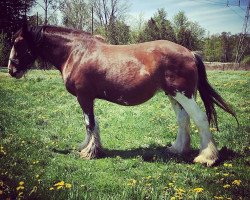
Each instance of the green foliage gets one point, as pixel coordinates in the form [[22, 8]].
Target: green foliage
[[76, 14], [12, 15], [41, 125], [4, 49], [223, 47], [157, 28], [181, 30], [246, 60], [118, 33], [188, 34]]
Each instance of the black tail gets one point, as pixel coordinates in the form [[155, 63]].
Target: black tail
[[209, 96]]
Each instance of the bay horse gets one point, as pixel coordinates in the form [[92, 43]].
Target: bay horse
[[127, 75]]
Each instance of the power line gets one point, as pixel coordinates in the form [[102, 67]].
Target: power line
[[225, 4], [237, 13]]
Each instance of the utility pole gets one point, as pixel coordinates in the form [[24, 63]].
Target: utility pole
[[241, 46], [92, 20], [36, 18]]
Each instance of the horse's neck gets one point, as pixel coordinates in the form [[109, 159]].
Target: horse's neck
[[55, 50]]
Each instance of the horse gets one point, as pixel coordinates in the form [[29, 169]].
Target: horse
[[126, 75]]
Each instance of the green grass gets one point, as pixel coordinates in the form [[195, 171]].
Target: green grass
[[41, 125]]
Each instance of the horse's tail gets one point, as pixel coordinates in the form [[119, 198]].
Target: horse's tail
[[209, 96]]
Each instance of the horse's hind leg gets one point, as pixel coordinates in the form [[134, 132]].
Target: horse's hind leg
[[182, 143], [208, 151], [92, 145]]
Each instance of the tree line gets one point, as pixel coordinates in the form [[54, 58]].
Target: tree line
[[109, 19]]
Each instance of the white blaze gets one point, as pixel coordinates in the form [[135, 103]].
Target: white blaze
[[12, 54]]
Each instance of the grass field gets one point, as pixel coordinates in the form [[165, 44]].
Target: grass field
[[41, 126]]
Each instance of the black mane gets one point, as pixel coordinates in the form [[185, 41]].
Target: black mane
[[35, 35]]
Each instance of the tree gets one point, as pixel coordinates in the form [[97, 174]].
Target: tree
[[227, 48], [109, 16], [76, 14], [118, 33], [49, 7], [137, 28], [188, 34], [213, 48], [158, 27], [108, 11], [12, 15]]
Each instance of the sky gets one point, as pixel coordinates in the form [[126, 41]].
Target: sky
[[215, 16]]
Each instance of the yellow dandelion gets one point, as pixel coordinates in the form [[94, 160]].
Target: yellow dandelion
[[61, 183], [21, 183], [132, 182], [225, 174], [180, 190], [213, 129], [51, 188], [172, 198], [227, 165], [198, 190], [59, 187], [226, 186], [68, 185], [20, 188], [236, 182]]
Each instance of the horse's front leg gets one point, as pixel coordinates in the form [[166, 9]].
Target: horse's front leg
[[91, 148]]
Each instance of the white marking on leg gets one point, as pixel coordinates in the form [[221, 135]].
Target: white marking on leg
[[208, 152], [182, 143], [94, 148], [86, 118]]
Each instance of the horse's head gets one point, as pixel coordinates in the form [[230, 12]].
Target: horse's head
[[22, 54]]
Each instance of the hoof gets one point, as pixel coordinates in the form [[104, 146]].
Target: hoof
[[88, 153], [208, 155], [82, 146], [206, 161]]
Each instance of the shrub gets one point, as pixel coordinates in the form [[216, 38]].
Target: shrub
[[4, 49], [246, 60]]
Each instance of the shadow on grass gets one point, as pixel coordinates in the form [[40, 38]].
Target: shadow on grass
[[152, 154], [159, 153]]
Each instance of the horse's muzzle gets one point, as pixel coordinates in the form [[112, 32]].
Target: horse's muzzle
[[16, 74]]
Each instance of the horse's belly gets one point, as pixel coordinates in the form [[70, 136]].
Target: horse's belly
[[129, 97]]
